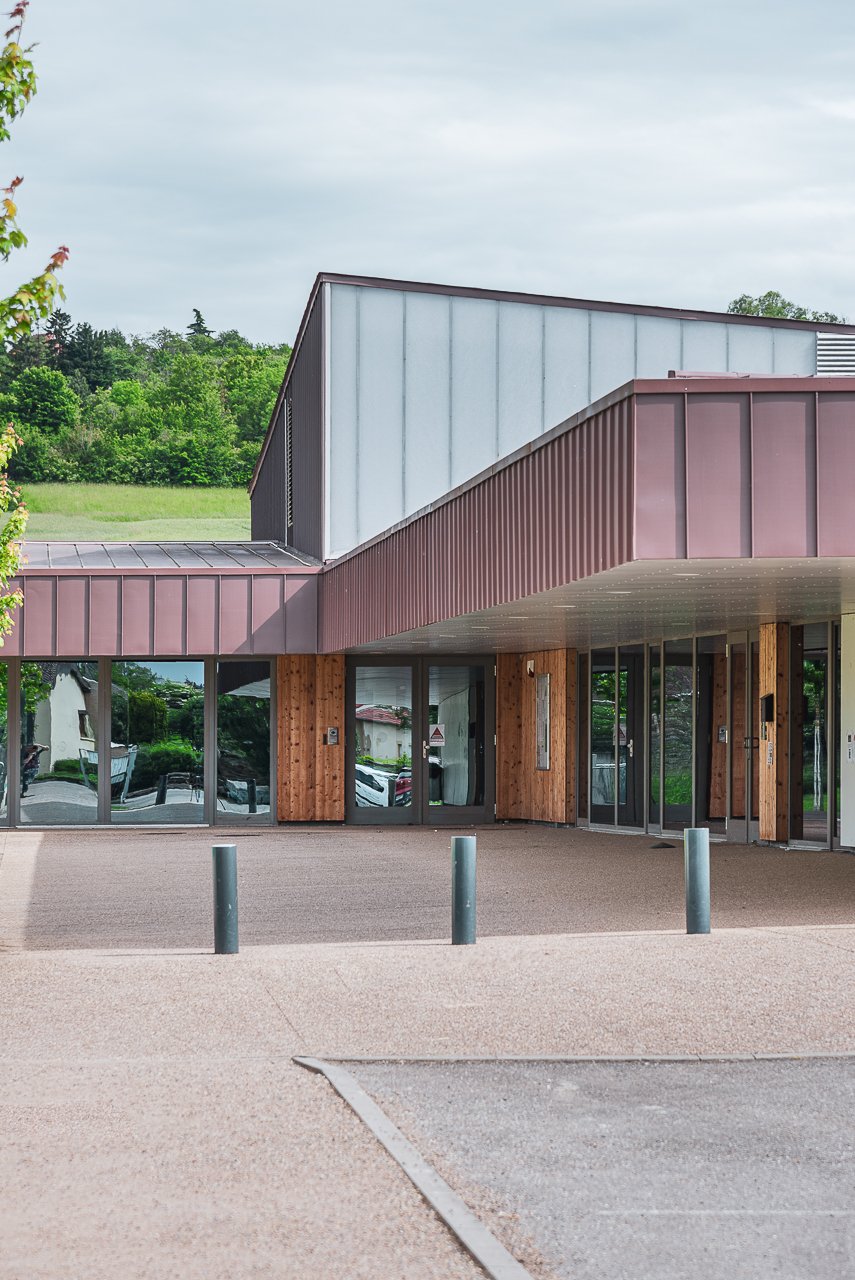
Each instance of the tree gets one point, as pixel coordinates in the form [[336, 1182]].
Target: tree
[[197, 327], [21, 310], [774, 304]]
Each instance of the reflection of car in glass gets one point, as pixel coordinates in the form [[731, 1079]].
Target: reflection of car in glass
[[404, 788], [372, 787]]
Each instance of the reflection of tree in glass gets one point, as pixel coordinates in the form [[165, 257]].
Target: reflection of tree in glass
[[243, 736], [677, 744], [163, 718]]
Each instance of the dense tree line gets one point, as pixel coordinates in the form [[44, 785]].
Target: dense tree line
[[95, 405]]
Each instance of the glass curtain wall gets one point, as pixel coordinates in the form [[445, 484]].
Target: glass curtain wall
[[809, 736], [711, 734], [655, 736], [243, 742], [677, 742], [4, 742], [59, 756], [157, 747], [582, 754], [603, 736]]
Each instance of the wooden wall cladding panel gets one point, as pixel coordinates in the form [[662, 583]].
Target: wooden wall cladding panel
[[774, 765], [310, 699], [523, 791], [509, 789]]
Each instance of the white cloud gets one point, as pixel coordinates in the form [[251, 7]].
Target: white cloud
[[217, 156]]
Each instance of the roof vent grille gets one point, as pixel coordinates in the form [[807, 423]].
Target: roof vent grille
[[835, 353]]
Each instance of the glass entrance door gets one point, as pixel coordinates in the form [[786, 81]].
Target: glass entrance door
[[810, 756], [420, 741], [617, 737], [454, 742], [743, 811]]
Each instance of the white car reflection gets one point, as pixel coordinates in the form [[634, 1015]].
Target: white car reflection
[[372, 787]]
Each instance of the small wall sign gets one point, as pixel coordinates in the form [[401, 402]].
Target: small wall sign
[[436, 737]]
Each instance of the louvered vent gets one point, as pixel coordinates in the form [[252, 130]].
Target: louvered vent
[[289, 471], [835, 353]]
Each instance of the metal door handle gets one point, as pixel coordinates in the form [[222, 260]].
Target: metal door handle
[[629, 747], [424, 751]]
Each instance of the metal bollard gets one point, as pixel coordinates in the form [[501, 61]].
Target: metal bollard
[[696, 846], [462, 890], [225, 900]]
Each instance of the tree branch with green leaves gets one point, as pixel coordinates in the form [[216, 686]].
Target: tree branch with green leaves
[[25, 307]]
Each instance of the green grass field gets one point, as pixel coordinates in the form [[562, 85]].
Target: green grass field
[[124, 513]]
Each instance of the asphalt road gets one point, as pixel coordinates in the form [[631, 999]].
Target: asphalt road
[[633, 1170]]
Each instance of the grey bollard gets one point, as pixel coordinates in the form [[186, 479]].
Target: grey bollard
[[225, 900], [462, 890], [696, 846]]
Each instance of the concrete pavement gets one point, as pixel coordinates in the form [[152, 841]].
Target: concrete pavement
[[153, 1121]]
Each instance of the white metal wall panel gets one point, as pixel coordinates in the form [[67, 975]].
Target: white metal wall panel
[[474, 385], [612, 351], [567, 364], [704, 347], [427, 433], [340, 483], [426, 390], [658, 346], [750, 348], [795, 351], [520, 374], [381, 411]]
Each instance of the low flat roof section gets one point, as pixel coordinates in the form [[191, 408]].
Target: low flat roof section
[[668, 471], [162, 555], [164, 600]]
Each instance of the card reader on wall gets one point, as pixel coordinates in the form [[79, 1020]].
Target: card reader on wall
[[767, 708]]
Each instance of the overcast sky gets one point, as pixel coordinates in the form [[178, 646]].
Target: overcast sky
[[194, 153]]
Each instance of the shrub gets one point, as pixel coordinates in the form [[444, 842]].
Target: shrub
[[171, 755]]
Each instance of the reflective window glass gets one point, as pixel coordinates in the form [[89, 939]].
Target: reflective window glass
[[4, 742], [157, 747], [243, 742], [677, 740], [383, 732], [59, 757], [455, 746]]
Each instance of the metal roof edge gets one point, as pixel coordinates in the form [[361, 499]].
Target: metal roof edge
[[585, 304]]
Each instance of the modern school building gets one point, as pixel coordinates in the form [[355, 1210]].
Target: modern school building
[[512, 557]]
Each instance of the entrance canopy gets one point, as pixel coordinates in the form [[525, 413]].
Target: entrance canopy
[[669, 507]]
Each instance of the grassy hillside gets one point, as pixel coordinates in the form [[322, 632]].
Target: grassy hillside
[[124, 513]]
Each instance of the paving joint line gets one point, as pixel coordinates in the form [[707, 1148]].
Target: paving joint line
[[476, 1239], [793, 1055]]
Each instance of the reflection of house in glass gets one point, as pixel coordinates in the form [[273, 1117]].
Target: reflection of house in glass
[[381, 733]]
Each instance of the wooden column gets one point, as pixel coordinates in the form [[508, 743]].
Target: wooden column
[[310, 699], [522, 790], [509, 788], [774, 736]]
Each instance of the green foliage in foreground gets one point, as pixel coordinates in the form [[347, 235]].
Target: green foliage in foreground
[[170, 409]]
